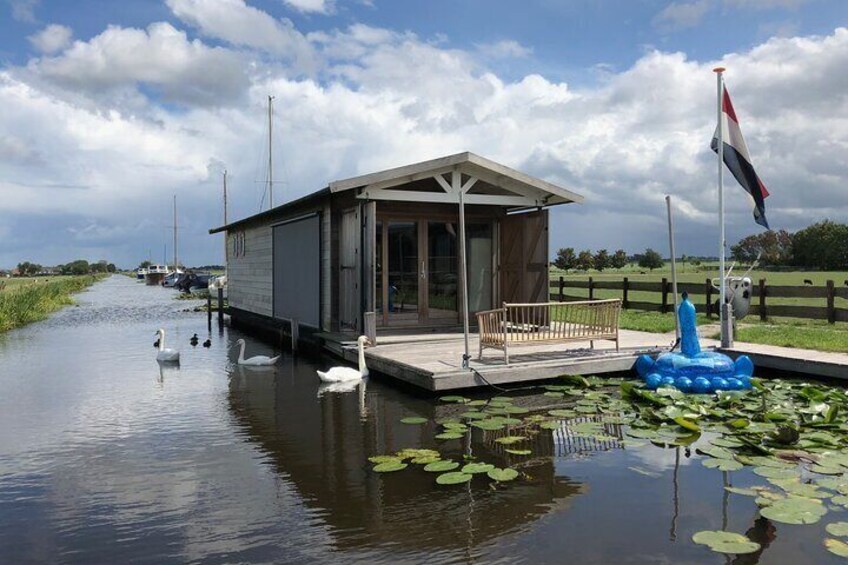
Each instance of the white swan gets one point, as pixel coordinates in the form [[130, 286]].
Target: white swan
[[256, 360], [167, 355], [340, 374]]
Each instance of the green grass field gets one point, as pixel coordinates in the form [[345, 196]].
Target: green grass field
[[26, 300], [788, 332]]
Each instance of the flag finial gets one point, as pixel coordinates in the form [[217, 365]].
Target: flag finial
[[718, 70]]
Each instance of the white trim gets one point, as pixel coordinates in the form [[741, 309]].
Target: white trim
[[444, 198]]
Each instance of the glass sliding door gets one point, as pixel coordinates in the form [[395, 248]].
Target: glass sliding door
[[403, 271], [479, 250], [442, 275]]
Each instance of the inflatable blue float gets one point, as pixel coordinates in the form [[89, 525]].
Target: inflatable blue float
[[693, 370]]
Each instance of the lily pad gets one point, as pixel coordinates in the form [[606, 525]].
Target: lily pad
[[823, 470], [509, 440], [414, 420], [559, 413], [450, 435], [441, 466], [518, 451], [742, 491], [554, 425], [775, 473], [377, 459], [477, 403], [425, 460], [455, 399], [474, 468], [722, 464], [839, 529], [836, 547], [454, 478], [726, 542], [795, 510], [389, 467], [474, 415], [502, 475], [489, 425]]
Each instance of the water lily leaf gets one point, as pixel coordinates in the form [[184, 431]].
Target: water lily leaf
[[389, 467], [562, 413], [642, 433], [554, 425], [474, 468], [453, 478], [726, 542], [837, 547], [455, 399], [761, 461], [821, 469], [553, 394], [450, 435], [833, 483], [412, 453], [424, 460], [775, 473], [795, 510], [586, 409], [502, 475], [477, 403], [455, 426], [726, 442], [797, 488], [509, 440], [489, 425], [516, 410], [837, 529], [384, 459], [518, 451], [722, 464], [441, 466], [474, 415], [841, 500], [715, 451], [743, 491], [414, 420], [738, 423]]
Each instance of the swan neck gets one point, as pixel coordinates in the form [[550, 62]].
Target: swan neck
[[362, 367], [241, 353], [161, 340]]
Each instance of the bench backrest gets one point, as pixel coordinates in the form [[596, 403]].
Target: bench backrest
[[561, 320]]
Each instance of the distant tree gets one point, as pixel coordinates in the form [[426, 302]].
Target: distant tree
[[78, 267], [650, 259], [144, 264], [585, 260], [618, 259], [772, 247], [111, 268], [602, 259], [565, 258], [28, 269], [823, 245]]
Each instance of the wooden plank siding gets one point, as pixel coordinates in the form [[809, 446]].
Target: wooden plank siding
[[250, 274]]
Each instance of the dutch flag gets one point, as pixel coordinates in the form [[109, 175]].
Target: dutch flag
[[738, 160]]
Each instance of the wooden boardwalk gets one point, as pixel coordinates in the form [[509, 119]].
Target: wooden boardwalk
[[433, 361]]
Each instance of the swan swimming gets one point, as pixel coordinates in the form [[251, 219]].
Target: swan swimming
[[256, 360], [339, 374], [168, 355]]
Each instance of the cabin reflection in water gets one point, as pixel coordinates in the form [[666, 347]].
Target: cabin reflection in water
[[322, 444]]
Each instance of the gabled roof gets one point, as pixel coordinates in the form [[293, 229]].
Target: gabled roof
[[467, 163]]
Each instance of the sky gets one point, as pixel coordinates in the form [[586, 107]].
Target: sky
[[111, 108]]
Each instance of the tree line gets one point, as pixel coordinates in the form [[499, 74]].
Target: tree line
[[78, 267], [823, 245]]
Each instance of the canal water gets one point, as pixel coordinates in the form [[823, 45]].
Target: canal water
[[106, 457]]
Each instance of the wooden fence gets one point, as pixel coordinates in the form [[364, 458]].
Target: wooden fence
[[759, 304]]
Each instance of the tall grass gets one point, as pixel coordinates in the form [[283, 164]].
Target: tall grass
[[26, 303]]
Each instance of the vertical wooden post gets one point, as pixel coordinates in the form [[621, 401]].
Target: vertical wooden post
[[831, 311], [624, 288], [371, 327], [763, 313], [295, 335], [664, 307], [220, 306], [561, 289], [591, 289], [209, 311], [709, 293]]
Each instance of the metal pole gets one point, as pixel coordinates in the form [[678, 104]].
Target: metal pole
[[673, 265], [726, 338], [270, 157], [226, 262], [175, 233], [463, 266]]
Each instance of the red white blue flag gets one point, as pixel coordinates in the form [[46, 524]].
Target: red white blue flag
[[738, 160]]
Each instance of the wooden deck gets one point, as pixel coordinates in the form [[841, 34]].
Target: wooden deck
[[433, 361]]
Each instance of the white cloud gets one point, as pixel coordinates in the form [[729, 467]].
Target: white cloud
[[24, 10], [52, 38], [765, 4], [682, 15], [312, 6], [161, 58], [506, 49], [239, 24]]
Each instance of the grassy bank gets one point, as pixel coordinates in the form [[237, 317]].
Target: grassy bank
[[28, 301]]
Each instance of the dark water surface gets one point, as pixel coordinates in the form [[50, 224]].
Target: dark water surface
[[106, 458]]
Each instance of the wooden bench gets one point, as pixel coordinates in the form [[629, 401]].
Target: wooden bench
[[548, 322]]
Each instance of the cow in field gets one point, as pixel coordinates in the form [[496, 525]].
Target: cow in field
[[808, 281]]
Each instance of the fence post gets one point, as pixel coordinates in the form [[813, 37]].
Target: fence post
[[831, 311], [220, 306], [591, 289], [624, 288], [763, 314], [709, 293], [561, 289], [664, 307]]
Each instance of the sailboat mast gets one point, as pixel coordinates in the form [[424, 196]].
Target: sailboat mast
[[226, 262], [175, 232], [270, 154]]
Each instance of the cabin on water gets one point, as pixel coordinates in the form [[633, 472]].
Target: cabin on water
[[389, 243]]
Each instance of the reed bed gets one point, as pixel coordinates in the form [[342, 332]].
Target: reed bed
[[22, 304]]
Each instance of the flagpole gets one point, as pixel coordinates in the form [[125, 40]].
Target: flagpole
[[726, 338]]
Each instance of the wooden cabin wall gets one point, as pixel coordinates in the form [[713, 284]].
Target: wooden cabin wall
[[250, 269], [326, 268], [524, 268]]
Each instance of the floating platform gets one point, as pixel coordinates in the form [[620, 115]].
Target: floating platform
[[433, 361]]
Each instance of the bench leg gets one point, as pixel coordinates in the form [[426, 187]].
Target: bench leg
[[591, 344], [480, 351], [506, 354], [616, 345]]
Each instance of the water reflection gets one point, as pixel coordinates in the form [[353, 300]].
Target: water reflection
[[322, 446]]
